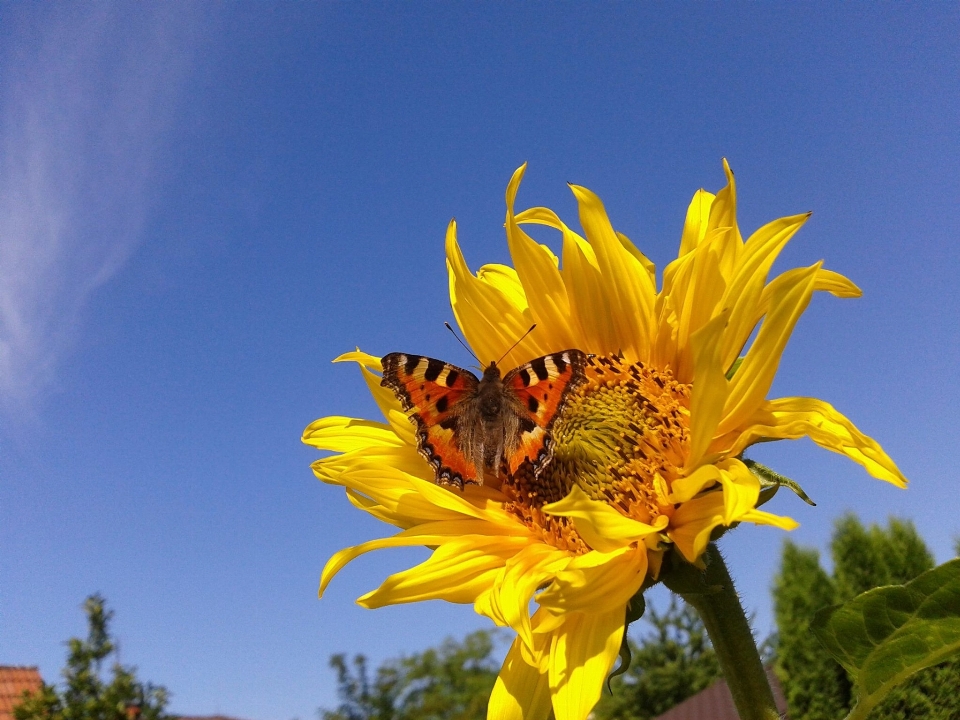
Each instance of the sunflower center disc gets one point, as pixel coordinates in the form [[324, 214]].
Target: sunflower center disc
[[622, 438]]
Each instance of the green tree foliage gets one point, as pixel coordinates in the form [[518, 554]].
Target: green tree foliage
[[905, 553], [670, 663], [858, 563], [86, 694], [817, 687], [452, 682]]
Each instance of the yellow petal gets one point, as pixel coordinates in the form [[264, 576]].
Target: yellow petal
[[795, 417], [340, 559], [695, 225], [490, 320], [692, 523], [826, 281], [505, 279], [384, 397], [342, 434], [601, 527], [693, 287], [386, 512], [484, 496], [428, 533], [507, 602], [458, 571], [686, 488], [741, 490], [695, 304], [670, 308], [545, 624], [581, 655], [645, 262], [760, 517], [723, 211], [403, 458], [592, 308], [541, 278], [750, 385], [368, 505], [456, 502], [628, 284], [743, 294], [386, 484], [411, 500], [522, 692], [365, 359], [710, 388], [540, 216], [597, 582], [836, 284]]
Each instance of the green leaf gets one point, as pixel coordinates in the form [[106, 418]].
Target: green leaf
[[885, 635]]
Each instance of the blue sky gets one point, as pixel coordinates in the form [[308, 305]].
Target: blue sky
[[202, 205]]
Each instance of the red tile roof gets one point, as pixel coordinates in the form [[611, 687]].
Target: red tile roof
[[716, 703], [13, 681]]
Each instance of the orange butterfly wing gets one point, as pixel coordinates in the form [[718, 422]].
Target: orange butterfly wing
[[430, 389], [542, 386]]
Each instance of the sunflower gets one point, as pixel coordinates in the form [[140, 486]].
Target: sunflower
[[648, 452]]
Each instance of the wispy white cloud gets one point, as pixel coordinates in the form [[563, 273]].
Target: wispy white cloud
[[85, 109]]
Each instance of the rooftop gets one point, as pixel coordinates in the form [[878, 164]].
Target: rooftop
[[716, 703], [13, 681]]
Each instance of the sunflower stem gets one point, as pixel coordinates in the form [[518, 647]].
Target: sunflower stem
[[716, 599]]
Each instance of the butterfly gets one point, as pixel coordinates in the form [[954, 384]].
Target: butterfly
[[467, 426]]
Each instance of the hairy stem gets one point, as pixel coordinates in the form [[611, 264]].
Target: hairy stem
[[713, 595]]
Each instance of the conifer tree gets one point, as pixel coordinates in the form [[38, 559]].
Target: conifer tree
[[903, 550], [896, 554], [858, 562], [816, 687]]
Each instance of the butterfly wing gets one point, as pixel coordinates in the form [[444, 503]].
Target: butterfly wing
[[542, 386], [430, 390]]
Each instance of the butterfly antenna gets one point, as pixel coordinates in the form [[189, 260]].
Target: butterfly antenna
[[461, 341], [517, 342]]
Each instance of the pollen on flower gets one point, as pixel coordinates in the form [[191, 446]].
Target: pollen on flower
[[528, 494], [622, 438]]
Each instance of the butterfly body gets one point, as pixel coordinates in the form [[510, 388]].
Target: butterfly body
[[490, 420], [469, 426]]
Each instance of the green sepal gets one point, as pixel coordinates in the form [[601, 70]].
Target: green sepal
[[683, 578], [887, 634], [635, 609], [770, 482], [733, 368], [720, 530]]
